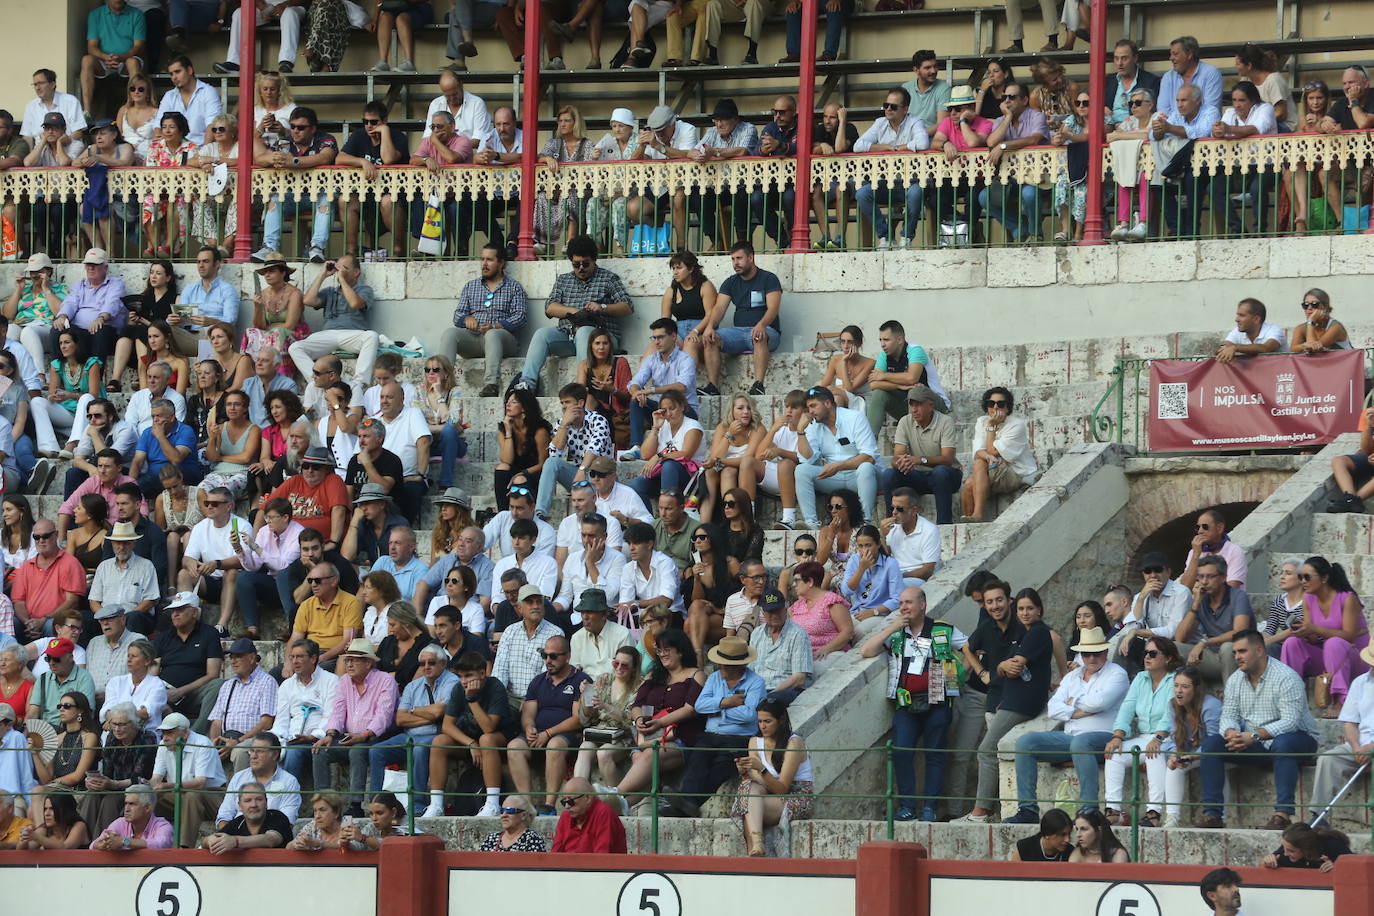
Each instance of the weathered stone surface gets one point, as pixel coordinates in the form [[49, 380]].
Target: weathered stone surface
[[1352, 254], [1225, 259], [1021, 267], [1086, 265], [1309, 256], [933, 269], [855, 272], [1162, 262]]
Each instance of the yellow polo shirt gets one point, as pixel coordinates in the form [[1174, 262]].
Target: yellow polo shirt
[[326, 624]]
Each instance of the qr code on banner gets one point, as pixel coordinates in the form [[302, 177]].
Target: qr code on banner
[[1173, 401]]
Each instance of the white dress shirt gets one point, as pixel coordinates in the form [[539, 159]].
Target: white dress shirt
[[200, 761], [497, 534], [623, 499], [576, 581], [283, 794], [1100, 697], [1162, 613], [663, 579], [570, 532], [471, 120], [139, 413], [303, 708], [539, 569], [911, 134]]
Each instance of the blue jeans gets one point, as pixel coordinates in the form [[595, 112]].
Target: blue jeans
[[296, 761], [1058, 747], [785, 696], [549, 341], [924, 730], [1015, 206], [834, 28], [26, 457], [1285, 768], [864, 481], [279, 209], [193, 15], [774, 211], [555, 471], [673, 477], [942, 480], [452, 446], [252, 586], [393, 751], [870, 210], [736, 340]]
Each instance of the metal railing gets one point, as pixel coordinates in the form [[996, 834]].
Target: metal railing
[[1133, 807], [1232, 188]]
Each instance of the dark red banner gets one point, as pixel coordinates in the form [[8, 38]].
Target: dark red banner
[[1277, 401]]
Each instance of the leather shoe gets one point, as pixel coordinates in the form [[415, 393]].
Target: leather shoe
[[1209, 822], [1278, 822]]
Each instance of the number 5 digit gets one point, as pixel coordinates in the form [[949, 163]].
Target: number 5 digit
[[1128, 907], [167, 895], [644, 902]]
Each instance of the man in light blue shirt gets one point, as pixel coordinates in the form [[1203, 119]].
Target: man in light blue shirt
[[1190, 120], [265, 378], [667, 368], [729, 702], [95, 306], [400, 560], [897, 130], [419, 713], [196, 100], [214, 298], [1130, 78], [838, 452], [1188, 71]]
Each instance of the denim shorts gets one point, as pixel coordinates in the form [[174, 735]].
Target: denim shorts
[[741, 340]]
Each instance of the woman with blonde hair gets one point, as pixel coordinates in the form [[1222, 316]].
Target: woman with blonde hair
[[455, 514], [272, 103], [441, 403], [568, 144], [221, 147], [605, 716], [399, 652], [136, 118], [731, 463]]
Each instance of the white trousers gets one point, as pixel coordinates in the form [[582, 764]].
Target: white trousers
[[1115, 771], [291, 19]]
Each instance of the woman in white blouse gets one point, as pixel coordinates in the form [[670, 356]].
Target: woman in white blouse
[[460, 590], [673, 449], [377, 592], [146, 691], [1002, 457]]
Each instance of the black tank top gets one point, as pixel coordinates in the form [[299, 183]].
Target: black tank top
[[687, 303]]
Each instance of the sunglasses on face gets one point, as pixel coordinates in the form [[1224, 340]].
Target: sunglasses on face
[[548, 655], [994, 402], [432, 369], [578, 265], [570, 801], [514, 811], [1313, 305], [300, 126], [730, 503], [1081, 103], [44, 537], [1305, 577], [1153, 570], [63, 705], [804, 553], [453, 581], [1152, 653], [216, 502], [695, 537], [1204, 527], [889, 106], [372, 122], [599, 475], [316, 580], [218, 130]]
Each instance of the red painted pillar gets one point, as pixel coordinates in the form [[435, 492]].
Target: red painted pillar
[[243, 185], [806, 119], [1353, 885], [1097, 92], [529, 121], [409, 881], [888, 880]]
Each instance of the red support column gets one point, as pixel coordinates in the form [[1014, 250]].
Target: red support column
[[889, 882], [806, 119], [529, 122], [1097, 92], [409, 881], [243, 184]]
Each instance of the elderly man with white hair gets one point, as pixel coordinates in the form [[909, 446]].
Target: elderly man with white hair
[[265, 378], [138, 828], [201, 777], [139, 413]]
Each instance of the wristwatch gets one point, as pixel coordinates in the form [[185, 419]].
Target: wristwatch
[[1002, 147], [925, 460]]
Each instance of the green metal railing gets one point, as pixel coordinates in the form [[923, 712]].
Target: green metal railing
[[1134, 806]]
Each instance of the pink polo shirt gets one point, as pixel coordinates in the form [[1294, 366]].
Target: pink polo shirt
[[157, 833]]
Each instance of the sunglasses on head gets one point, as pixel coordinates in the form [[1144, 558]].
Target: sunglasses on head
[[581, 483], [520, 491], [1082, 103]]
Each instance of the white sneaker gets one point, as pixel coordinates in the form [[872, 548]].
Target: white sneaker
[[315, 255], [1138, 233], [381, 66], [492, 808], [262, 254], [884, 244], [434, 810], [1171, 820], [612, 797], [972, 818], [1119, 233]]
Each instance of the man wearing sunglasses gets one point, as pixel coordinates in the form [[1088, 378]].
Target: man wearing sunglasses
[[1212, 540], [581, 500], [923, 454], [896, 131], [587, 299], [375, 143], [310, 148], [51, 580], [1157, 609], [587, 824], [63, 676], [1016, 206], [211, 564], [549, 721], [613, 498]]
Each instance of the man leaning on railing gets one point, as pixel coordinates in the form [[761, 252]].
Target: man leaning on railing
[[309, 148]]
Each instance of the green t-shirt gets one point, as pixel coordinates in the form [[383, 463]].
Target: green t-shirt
[[116, 34]]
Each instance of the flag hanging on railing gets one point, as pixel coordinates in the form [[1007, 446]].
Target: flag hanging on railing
[[1278, 401]]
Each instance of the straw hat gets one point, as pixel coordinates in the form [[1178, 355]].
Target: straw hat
[[1091, 640]]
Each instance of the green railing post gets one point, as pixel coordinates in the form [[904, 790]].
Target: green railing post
[[410, 785], [1135, 804], [176, 798], [891, 793], [653, 793]]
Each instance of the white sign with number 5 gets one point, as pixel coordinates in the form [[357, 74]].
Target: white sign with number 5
[[648, 893], [168, 891], [1127, 899]]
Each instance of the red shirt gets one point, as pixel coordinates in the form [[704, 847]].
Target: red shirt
[[311, 506], [600, 832], [42, 590]]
